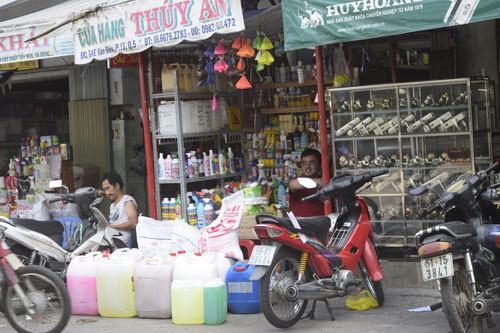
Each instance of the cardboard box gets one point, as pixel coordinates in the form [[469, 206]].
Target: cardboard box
[[86, 175], [246, 231]]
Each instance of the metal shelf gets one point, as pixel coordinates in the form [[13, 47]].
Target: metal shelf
[[448, 166], [276, 85], [403, 136], [294, 109], [190, 95], [198, 136], [405, 110], [201, 179]]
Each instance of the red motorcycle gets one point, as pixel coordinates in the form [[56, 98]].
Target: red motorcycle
[[296, 264]]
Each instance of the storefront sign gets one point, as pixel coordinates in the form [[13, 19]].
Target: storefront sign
[[316, 22], [125, 60], [19, 66], [13, 46], [135, 26]]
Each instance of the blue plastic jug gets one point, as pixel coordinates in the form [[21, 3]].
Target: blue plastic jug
[[242, 294]]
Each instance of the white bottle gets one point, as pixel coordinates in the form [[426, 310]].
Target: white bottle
[[230, 156], [193, 163], [208, 211], [211, 158], [175, 168], [161, 167], [206, 164], [222, 167], [283, 146], [300, 72], [168, 167]]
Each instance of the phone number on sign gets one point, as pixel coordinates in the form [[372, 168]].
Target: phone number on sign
[[165, 37]]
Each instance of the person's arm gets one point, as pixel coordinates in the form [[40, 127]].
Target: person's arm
[[131, 222], [294, 184]]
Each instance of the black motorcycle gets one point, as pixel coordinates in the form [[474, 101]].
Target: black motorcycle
[[461, 254]]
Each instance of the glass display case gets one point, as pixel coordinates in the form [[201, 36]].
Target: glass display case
[[420, 131]]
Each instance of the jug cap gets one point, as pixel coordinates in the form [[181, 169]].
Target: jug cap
[[240, 268]]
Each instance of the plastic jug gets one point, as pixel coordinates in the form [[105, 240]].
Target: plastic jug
[[115, 288], [81, 281], [167, 78], [194, 267], [152, 280], [242, 294], [223, 264], [187, 302], [215, 302]]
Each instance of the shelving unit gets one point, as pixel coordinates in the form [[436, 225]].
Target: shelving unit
[[179, 139], [414, 156]]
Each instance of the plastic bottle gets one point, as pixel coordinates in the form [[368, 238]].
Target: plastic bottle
[[300, 72], [168, 167], [178, 209], [283, 141], [206, 165], [283, 77], [192, 216], [230, 157], [164, 209], [199, 161], [304, 140], [200, 211], [193, 163], [208, 211], [211, 159], [175, 168], [296, 138], [161, 167], [171, 209], [222, 162], [282, 195]]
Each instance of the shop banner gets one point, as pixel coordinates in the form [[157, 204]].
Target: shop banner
[[13, 46], [316, 22], [19, 66], [135, 26]]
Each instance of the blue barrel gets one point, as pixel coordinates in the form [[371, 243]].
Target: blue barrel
[[242, 294]]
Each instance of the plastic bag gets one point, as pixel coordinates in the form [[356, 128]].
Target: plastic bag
[[153, 234], [342, 77], [362, 301], [185, 237]]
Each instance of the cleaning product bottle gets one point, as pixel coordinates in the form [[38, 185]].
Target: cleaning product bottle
[[168, 167], [300, 72], [193, 163], [192, 218], [171, 209], [161, 167], [211, 159], [164, 209], [175, 168], [178, 208], [199, 161], [208, 211], [230, 157], [275, 187], [304, 140], [206, 165], [200, 211], [283, 141], [282, 194], [222, 163]]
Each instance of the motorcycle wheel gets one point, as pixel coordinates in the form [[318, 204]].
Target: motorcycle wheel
[[49, 295], [279, 309], [375, 288], [457, 296]]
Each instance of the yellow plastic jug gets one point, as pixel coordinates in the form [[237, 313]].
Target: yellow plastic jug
[[362, 301], [187, 302], [167, 77]]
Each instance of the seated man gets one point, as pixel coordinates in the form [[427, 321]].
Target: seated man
[[310, 164], [123, 210]]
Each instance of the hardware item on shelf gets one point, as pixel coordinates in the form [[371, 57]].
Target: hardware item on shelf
[[418, 161], [360, 129], [402, 102], [414, 102], [444, 99], [391, 180], [430, 159], [370, 104], [457, 122], [438, 122], [391, 126], [392, 161], [406, 160], [357, 105], [344, 129], [379, 161], [443, 158], [366, 162], [386, 104], [343, 161], [428, 101], [415, 180], [406, 122], [376, 123], [421, 122], [461, 99], [344, 107]]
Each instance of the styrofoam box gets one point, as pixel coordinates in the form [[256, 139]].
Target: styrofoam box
[[167, 121]]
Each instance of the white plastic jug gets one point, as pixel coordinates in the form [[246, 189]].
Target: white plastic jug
[[223, 264], [81, 281], [152, 279], [187, 302], [115, 288], [194, 267]]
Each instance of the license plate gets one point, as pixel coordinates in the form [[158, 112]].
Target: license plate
[[14, 261], [438, 267], [262, 255]]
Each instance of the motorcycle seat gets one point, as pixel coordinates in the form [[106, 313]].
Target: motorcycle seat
[[316, 226], [51, 229]]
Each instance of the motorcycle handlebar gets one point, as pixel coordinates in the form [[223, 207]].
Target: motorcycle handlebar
[[428, 210], [492, 167], [312, 196], [75, 195]]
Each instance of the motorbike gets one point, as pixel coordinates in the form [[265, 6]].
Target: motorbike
[[462, 253], [37, 243], [295, 263], [33, 298]]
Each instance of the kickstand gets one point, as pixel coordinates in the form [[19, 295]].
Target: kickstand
[[310, 315], [329, 308]]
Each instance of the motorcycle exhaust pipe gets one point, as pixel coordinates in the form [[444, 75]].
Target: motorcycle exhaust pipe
[[295, 293]]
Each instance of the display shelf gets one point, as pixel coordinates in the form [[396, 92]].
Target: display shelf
[[413, 168], [403, 136], [295, 109], [201, 179], [404, 110], [189, 95], [277, 85], [198, 136]]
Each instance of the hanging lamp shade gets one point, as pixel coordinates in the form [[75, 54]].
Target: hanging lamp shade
[[258, 55], [260, 67], [266, 58], [257, 41], [220, 50], [209, 52], [246, 51], [243, 83], [266, 44], [237, 43], [221, 66], [241, 65]]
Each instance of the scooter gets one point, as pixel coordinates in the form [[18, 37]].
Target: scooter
[[31, 239], [296, 264]]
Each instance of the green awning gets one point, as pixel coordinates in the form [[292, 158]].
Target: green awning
[[317, 22]]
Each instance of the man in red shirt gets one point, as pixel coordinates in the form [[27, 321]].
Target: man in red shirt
[[310, 164]]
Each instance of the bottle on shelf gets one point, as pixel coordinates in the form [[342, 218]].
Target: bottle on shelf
[[164, 209], [213, 167], [230, 157], [300, 72], [282, 194], [161, 167], [178, 208], [200, 212], [171, 209], [192, 216], [175, 168], [208, 211], [207, 169], [199, 161], [283, 76], [222, 163], [168, 167]]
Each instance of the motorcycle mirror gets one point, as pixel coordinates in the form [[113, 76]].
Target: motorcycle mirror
[[307, 182], [55, 184], [418, 190]]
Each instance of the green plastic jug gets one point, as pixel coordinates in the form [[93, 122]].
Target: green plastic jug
[[215, 302]]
